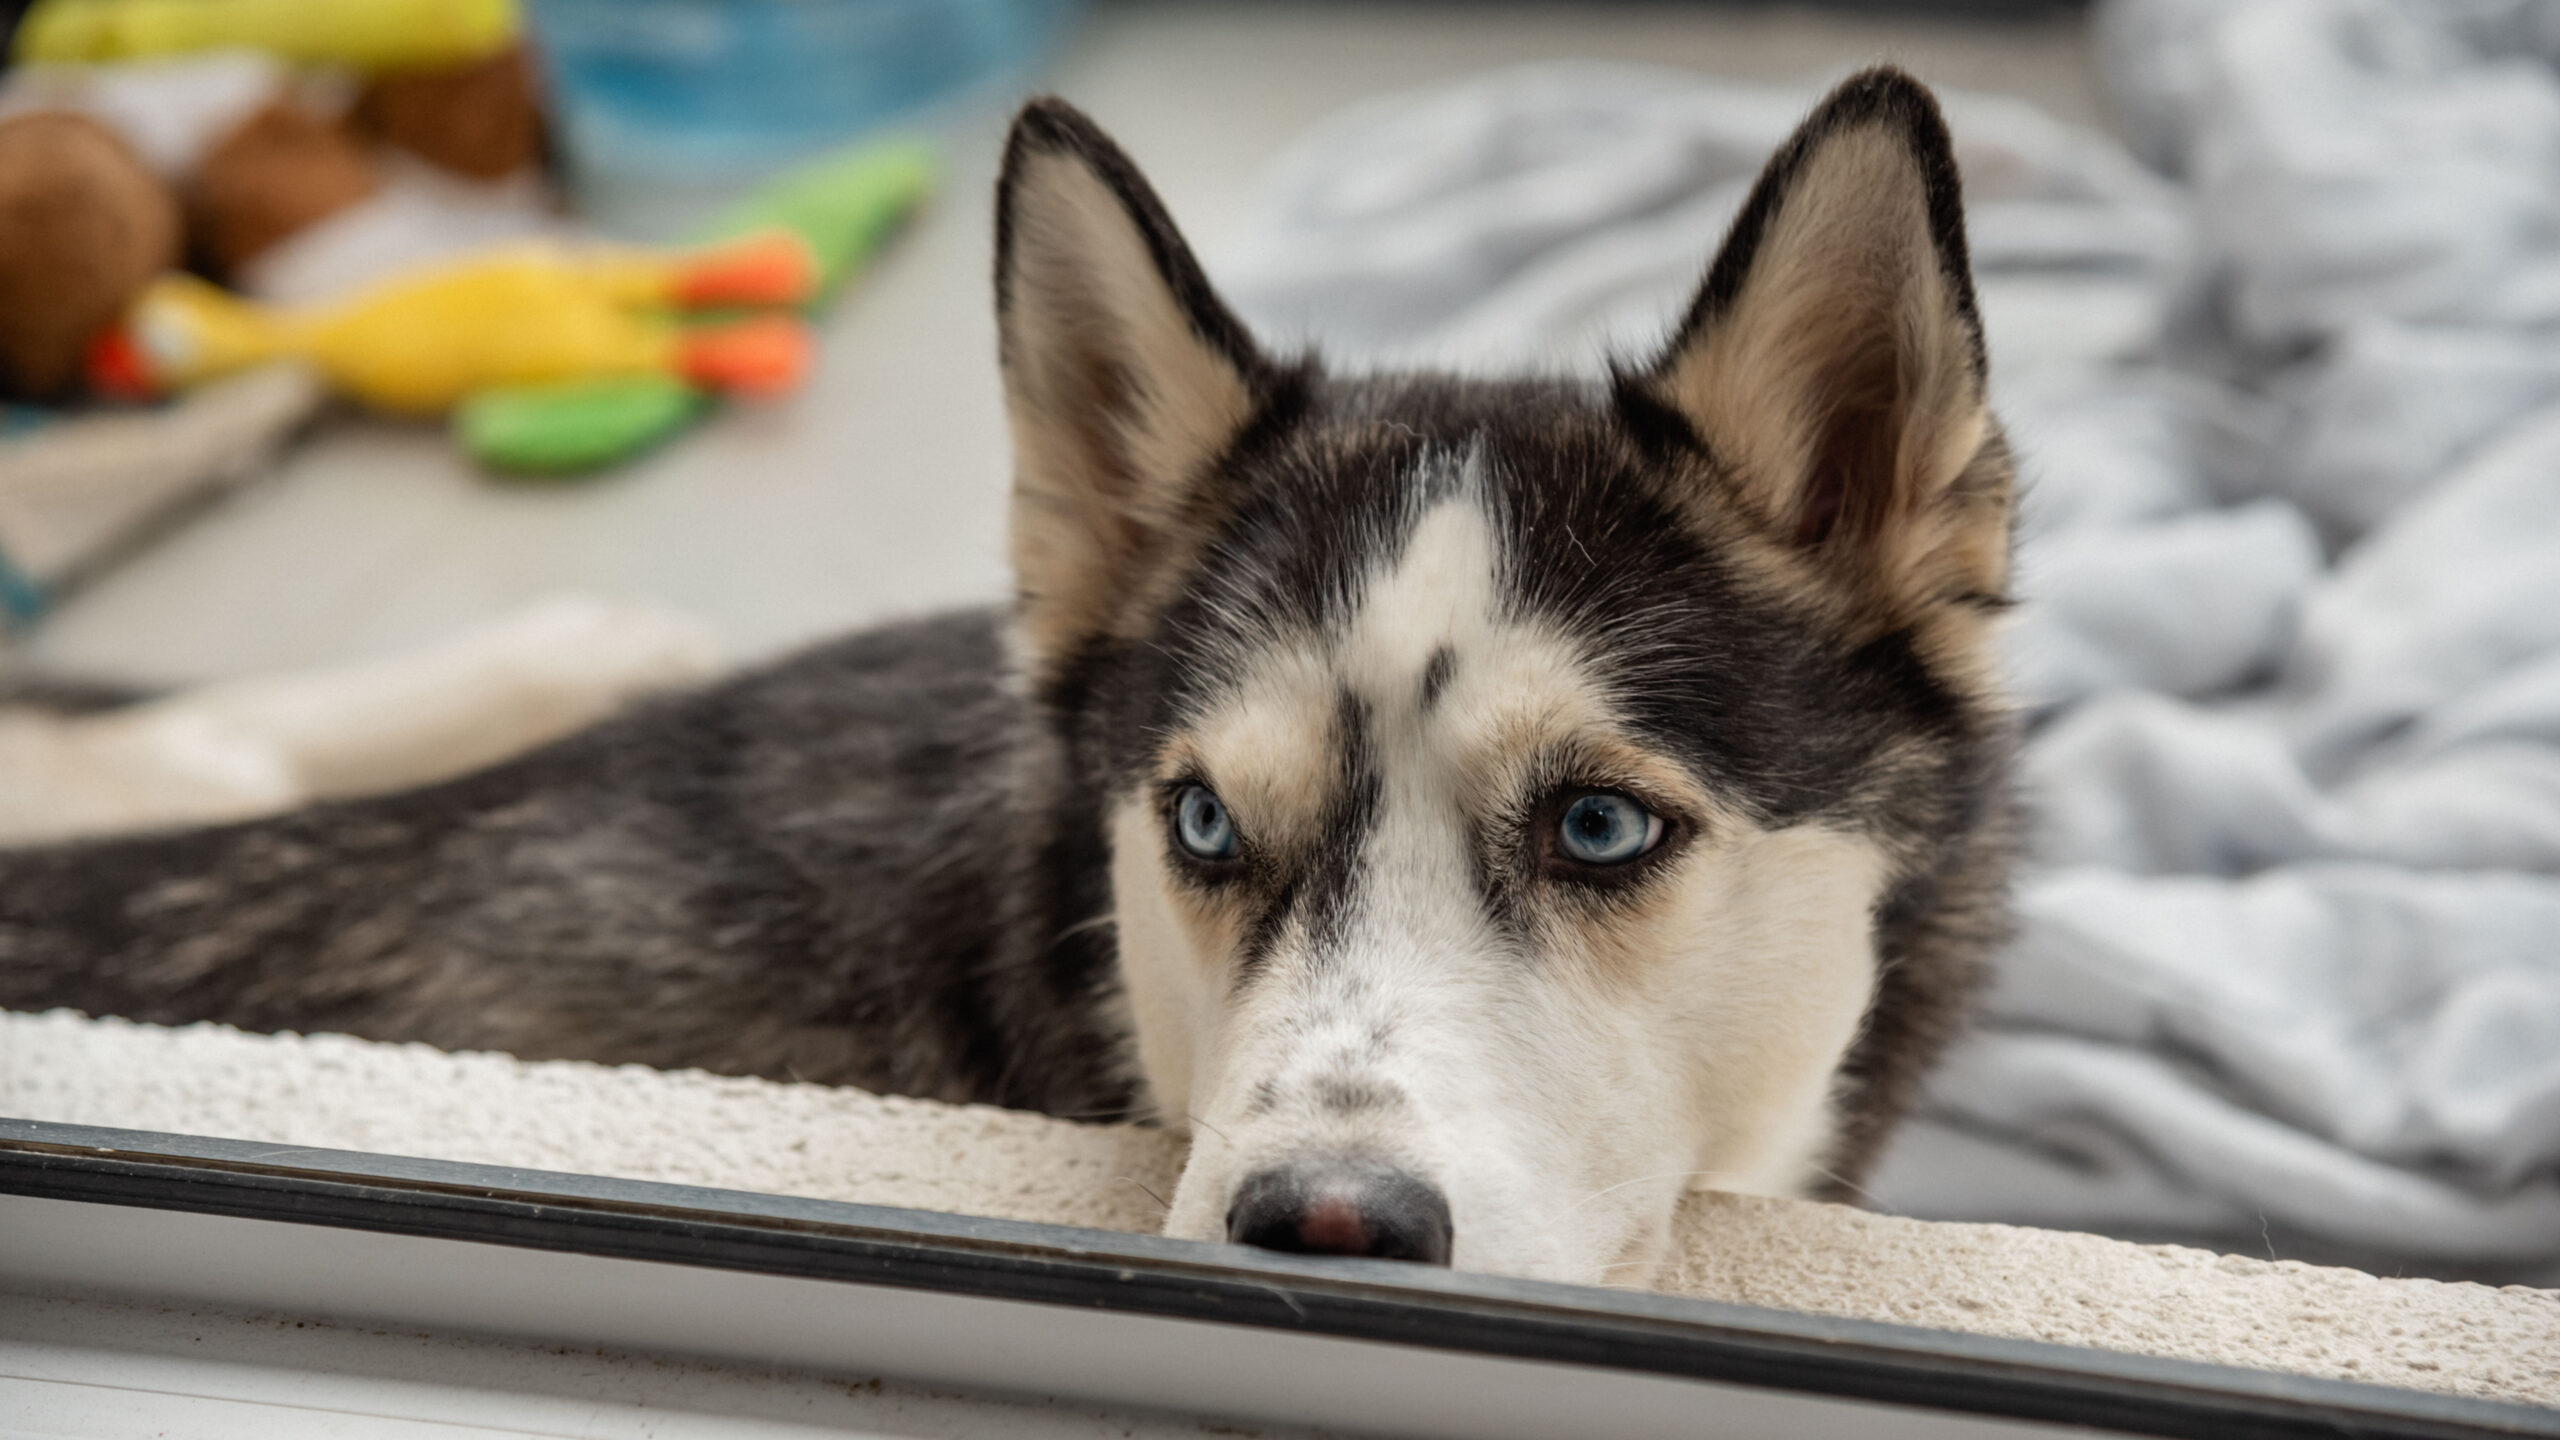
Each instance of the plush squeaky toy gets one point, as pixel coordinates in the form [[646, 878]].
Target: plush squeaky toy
[[365, 34], [845, 205], [527, 314], [83, 226]]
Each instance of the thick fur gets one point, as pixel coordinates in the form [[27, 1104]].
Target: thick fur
[[787, 875], [1395, 623]]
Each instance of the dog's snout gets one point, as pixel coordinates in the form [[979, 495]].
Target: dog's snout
[[1342, 1207]]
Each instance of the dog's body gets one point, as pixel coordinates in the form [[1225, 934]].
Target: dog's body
[[1479, 809], [746, 879]]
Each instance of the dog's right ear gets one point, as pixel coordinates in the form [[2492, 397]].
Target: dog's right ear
[[1125, 377]]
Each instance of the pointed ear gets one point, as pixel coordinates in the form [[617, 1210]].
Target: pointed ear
[[1832, 364], [1125, 379]]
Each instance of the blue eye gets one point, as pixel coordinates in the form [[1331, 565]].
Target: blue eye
[[1603, 829], [1201, 823]]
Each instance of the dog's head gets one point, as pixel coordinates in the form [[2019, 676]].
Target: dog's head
[[1519, 794]]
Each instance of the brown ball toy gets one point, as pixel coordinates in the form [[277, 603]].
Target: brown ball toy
[[83, 225]]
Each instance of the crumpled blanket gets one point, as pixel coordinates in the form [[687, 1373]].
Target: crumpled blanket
[[2286, 390]]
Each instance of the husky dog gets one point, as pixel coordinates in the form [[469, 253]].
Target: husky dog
[[1477, 811]]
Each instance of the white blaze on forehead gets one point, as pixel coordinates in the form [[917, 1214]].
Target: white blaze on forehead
[[1439, 600], [1440, 592], [1510, 686], [1418, 923]]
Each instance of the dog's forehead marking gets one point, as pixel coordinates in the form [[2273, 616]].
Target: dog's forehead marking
[[1278, 743], [1453, 687], [1438, 595], [1434, 606], [1435, 675]]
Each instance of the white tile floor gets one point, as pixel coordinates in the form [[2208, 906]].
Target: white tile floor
[[880, 489]]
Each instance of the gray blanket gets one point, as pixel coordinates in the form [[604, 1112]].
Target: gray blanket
[[2289, 401]]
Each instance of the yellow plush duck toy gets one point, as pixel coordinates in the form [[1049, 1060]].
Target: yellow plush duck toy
[[522, 315]]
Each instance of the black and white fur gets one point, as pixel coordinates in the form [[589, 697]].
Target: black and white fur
[[1396, 626]]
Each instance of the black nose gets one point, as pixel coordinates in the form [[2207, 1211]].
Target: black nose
[[1342, 1206]]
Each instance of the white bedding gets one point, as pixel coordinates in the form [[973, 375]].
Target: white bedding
[[2288, 976]]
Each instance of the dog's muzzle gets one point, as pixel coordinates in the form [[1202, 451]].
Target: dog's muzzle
[[1342, 1205]]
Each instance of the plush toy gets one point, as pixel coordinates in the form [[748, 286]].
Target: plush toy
[[577, 426], [364, 34], [550, 361], [82, 227], [518, 315], [845, 206]]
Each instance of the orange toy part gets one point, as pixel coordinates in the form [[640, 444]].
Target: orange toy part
[[116, 367], [764, 356], [774, 268]]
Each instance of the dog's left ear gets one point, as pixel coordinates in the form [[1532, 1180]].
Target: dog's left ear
[[1125, 378], [1832, 364]]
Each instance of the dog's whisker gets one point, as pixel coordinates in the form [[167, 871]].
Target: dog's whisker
[[1098, 922], [1121, 1113], [1143, 1187], [1642, 1179], [1205, 1125], [1845, 1183]]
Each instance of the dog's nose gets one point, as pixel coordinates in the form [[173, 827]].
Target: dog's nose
[[1336, 1206]]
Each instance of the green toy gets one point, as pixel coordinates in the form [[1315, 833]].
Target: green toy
[[845, 205], [576, 427]]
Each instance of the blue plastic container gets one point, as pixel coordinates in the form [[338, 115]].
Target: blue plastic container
[[667, 107]]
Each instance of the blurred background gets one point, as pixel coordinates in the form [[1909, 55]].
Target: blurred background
[[877, 485], [312, 357]]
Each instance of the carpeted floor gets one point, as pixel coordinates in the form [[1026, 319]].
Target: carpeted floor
[[2072, 1289]]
